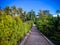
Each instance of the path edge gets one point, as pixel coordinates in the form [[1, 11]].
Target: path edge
[[49, 41], [25, 38]]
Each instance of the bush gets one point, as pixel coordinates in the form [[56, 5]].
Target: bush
[[49, 26], [12, 29]]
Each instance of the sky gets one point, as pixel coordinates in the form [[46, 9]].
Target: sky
[[35, 5]]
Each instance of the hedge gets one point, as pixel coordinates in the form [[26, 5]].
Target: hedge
[[49, 26], [12, 29]]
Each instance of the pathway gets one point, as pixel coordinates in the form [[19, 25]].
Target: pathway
[[36, 38]]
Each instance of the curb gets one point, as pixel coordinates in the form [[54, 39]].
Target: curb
[[25, 38], [47, 39]]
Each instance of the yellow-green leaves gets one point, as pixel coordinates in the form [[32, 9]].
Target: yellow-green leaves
[[12, 29]]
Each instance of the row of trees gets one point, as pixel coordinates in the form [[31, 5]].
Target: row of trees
[[13, 11]]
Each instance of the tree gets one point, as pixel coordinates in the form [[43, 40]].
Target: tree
[[20, 11], [43, 12], [23, 16], [40, 13], [46, 12], [31, 15], [14, 11], [7, 10]]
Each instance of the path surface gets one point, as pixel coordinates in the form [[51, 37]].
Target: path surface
[[36, 38]]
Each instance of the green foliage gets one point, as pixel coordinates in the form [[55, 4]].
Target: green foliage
[[31, 15], [12, 29], [49, 26]]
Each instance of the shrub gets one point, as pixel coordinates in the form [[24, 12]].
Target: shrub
[[49, 26], [12, 29]]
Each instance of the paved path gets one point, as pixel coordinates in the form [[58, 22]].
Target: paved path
[[36, 38]]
